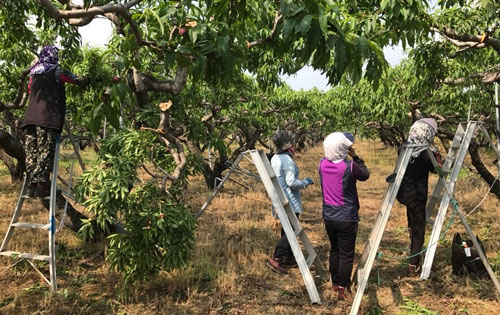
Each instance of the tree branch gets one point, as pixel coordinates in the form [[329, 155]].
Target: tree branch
[[468, 41], [277, 18], [485, 77], [21, 95], [78, 16], [173, 87]]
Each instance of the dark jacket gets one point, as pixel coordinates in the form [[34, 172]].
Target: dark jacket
[[47, 102], [415, 181], [338, 185]]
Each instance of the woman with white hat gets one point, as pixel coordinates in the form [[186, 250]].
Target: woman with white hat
[[338, 176]]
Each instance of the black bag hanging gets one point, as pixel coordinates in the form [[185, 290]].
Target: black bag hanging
[[465, 258]]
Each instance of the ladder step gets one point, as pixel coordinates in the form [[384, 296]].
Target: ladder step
[[310, 260], [32, 197], [298, 232], [66, 194], [26, 255], [32, 225]]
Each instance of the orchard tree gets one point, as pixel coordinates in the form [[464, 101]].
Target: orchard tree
[[170, 77], [463, 62]]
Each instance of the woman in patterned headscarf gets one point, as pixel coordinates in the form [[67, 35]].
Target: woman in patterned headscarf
[[413, 190], [44, 118]]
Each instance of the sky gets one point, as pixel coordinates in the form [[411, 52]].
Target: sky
[[98, 32]]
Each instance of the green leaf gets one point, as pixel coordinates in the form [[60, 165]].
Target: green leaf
[[323, 23], [288, 27], [304, 25]]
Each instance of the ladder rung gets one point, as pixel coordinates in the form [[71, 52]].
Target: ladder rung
[[33, 197], [26, 255], [67, 194], [311, 259], [32, 225]]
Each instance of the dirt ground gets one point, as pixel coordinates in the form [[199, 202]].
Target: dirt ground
[[228, 273]]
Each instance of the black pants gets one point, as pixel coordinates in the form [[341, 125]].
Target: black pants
[[342, 237], [283, 249], [415, 211]]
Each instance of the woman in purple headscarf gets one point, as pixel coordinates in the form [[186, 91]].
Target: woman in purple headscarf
[[44, 118]]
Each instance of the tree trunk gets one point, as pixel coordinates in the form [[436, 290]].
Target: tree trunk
[[482, 170], [210, 175], [15, 170], [76, 217], [10, 148]]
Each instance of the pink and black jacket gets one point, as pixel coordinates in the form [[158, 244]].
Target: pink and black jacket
[[338, 184]]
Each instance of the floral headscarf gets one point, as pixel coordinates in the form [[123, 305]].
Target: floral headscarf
[[336, 146], [47, 61], [422, 133]]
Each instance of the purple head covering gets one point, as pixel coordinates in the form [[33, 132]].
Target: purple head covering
[[47, 60], [349, 136]]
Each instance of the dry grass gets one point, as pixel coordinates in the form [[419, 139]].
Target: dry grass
[[227, 274]]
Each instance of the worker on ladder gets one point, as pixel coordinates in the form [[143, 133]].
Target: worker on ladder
[[287, 172], [413, 190], [44, 118]]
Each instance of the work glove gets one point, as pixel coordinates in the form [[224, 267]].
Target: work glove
[[309, 181]]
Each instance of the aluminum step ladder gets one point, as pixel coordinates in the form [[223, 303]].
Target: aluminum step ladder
[[448, 177], [50, 226], [289, 221], [448, 191], [362, 273], [291, 225], [220, 184]]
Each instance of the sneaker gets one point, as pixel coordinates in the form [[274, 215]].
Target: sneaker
[[288, 262], [30, 191], [335, 288], [273, 263], [413, 270], [42, 190]]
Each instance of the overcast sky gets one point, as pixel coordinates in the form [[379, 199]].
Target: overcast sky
[[98, 32]]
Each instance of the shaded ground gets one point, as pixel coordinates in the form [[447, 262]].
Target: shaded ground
[[227, 274]]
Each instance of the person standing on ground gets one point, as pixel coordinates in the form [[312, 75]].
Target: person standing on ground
[[338, 176], [287, 173], [413, 190], [44, 118]]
